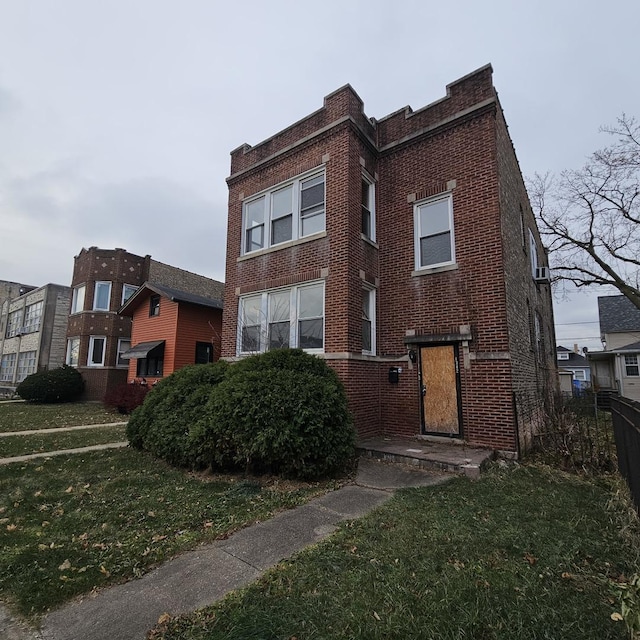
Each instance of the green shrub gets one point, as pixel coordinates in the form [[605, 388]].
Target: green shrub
[[284, 412], [171, 409], [124, 398], [58, 385]]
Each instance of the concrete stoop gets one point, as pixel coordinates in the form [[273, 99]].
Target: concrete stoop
[[425, 454]]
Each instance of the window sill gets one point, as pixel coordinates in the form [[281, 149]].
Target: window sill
[[429, 271], [368, 240], [283, 245]]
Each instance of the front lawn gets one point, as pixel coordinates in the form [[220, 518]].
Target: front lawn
[[72, 523], [41, 442], [524, 553], [22, 416]]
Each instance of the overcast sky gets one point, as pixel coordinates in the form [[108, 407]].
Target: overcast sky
[[117, 117]]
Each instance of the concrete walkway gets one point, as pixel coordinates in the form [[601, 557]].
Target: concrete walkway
[[200, 577], [28, 432], [63, 452]]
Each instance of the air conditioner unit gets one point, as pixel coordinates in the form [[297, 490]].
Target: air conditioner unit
[[542, 274]]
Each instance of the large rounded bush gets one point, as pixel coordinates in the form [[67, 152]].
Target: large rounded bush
[[163, 423], [284, 412], [58, 385]]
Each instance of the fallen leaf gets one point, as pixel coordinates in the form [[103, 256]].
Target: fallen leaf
[[65, 565], [151, 514], [69, 489], [530, 559], [566, 575], [164, 618], [208, 525], [104, 571], [37, 494], [11, 527], [617, 617], [376, 616], [157, 538]]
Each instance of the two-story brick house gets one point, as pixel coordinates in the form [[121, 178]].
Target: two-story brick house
[[404, 251]]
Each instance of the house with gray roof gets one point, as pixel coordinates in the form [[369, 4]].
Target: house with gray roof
[[618, 366], [573, 366]]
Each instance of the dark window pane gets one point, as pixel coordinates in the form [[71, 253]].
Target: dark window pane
[[251, 338], [255, 238], [154, 306], [366, 222], [366, 335], [98, 347], [281, 230], [278, 335], [204, 352], [312, 194], [435, 249], [310, 334]]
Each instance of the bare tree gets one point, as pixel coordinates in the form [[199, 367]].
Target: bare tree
[[590, 218]]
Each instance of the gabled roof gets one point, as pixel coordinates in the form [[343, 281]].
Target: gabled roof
[[635, 346], [575, 359], [175, 295], [618, 314]]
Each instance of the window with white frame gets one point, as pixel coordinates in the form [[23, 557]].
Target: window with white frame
[[563, 355], [433, 229], [124, 344], [14, 322], [77, 298], [287, 212], [32, 317], [368, 209], [368, 321], [102, 296], [631, 365], [97, 346], [26, 365], [7, 367], [533, 253], [73, 352], [127, 291], [292, 317], [579, 374]]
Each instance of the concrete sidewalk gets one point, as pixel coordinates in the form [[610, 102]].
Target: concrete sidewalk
[[200, 577]]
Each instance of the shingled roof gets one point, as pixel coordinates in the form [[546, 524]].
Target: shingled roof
[[618, 313]]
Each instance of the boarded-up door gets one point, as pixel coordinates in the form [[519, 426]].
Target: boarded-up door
[[439, 390]]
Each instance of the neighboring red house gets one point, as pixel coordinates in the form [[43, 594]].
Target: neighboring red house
[[170, 329], [405, 252]]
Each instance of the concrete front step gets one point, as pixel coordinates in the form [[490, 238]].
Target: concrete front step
[[438, 456]]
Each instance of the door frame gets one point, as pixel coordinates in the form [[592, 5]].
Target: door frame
[[421, 396]]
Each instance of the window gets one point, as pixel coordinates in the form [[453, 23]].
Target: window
[[7, 367], [282, 318], [153, 364], [26, 365], [96, 351], [127, 291], [204, 352], [77, 299], [539, 336], [533, 253], [32, 317], [434, 243], [279, 305], [563, 356], [73, 352], [14, 323], [368, 209], [154, 305], [123, 345], [631, 365], [579, 374], [102, 296], [288, 212], [368, 321]]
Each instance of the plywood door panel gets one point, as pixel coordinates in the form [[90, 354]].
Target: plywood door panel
[[440, 392]]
